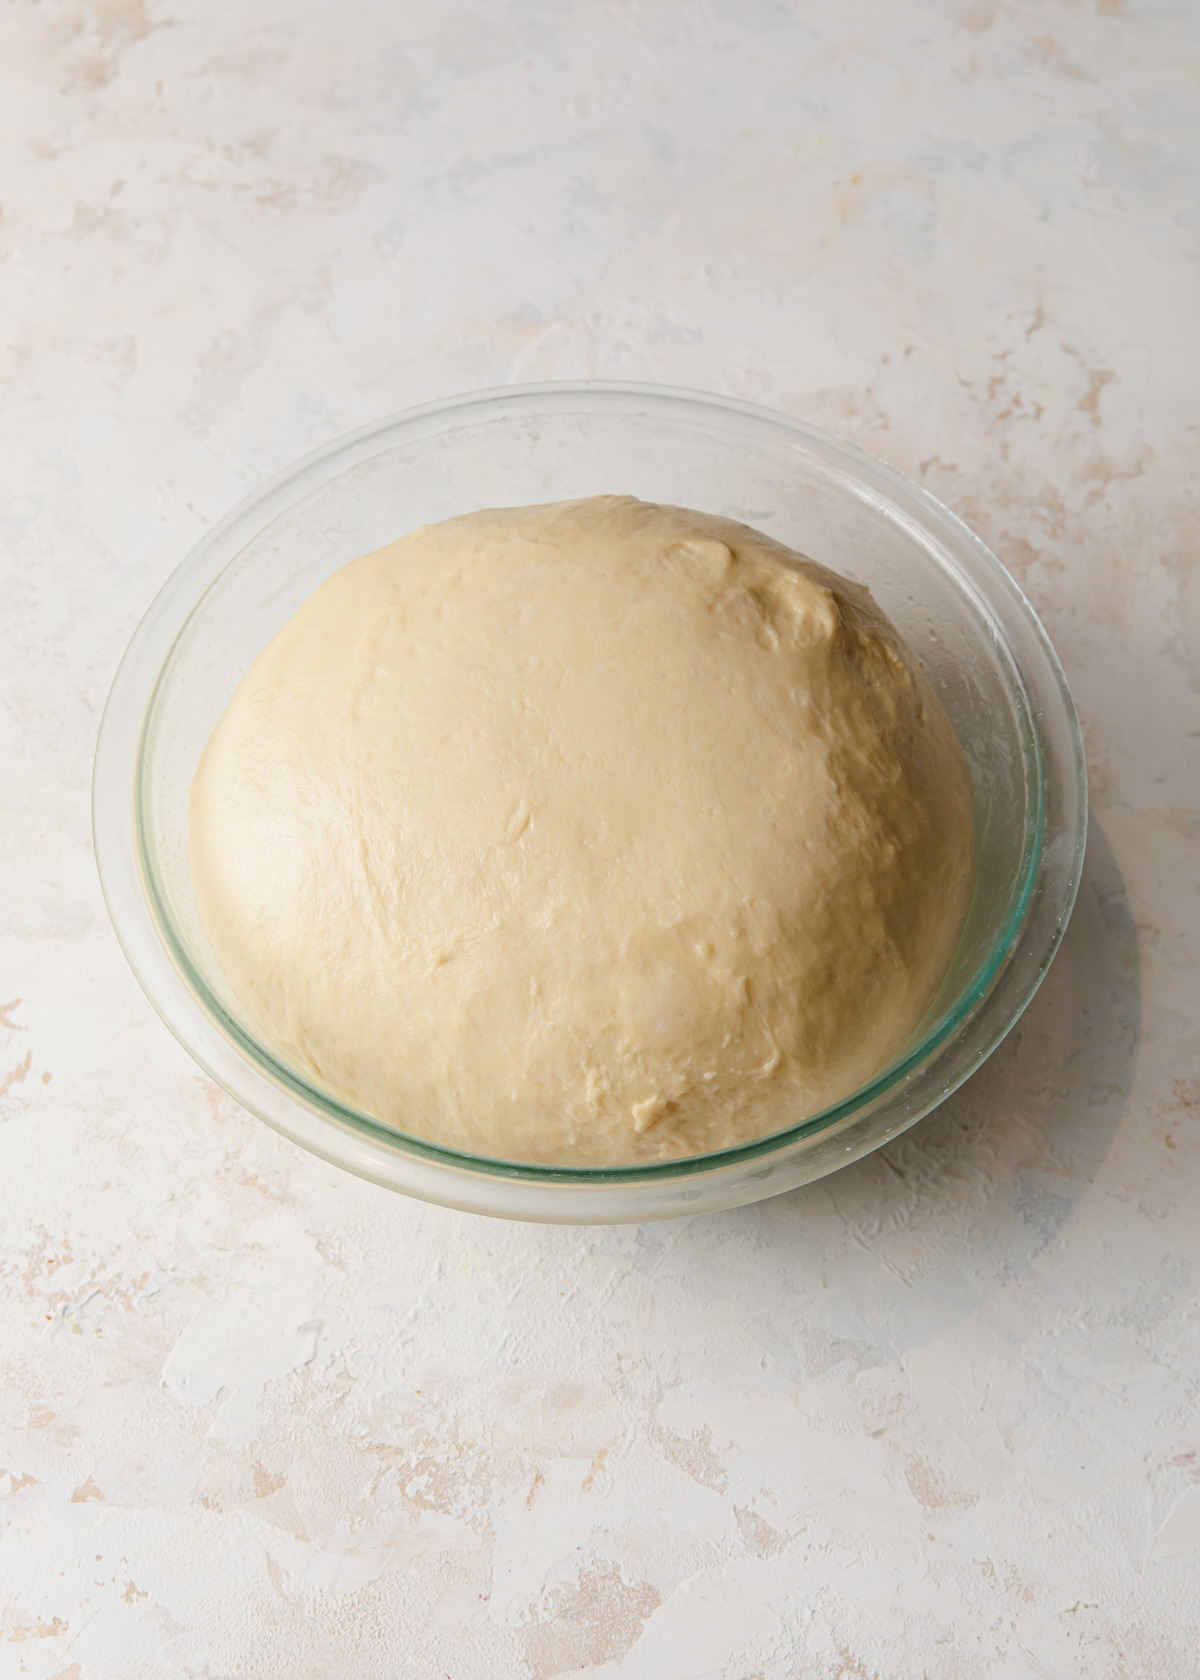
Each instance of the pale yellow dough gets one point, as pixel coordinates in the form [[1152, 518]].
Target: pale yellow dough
[[588, 833]]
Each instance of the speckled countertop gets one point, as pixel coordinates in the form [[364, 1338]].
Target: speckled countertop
[[937, 1416]]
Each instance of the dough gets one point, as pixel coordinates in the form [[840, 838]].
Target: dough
[[590, 833]]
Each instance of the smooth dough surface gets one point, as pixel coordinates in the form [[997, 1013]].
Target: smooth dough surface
[[588, 833]]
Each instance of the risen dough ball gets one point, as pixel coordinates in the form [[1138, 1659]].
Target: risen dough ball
[[589, 833]]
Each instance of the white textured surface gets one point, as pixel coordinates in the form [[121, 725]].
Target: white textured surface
[[938, 1416]]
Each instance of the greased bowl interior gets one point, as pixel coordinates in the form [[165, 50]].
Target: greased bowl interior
[[984, 650]]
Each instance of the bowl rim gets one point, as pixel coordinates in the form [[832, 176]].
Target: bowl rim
[[158, 633]]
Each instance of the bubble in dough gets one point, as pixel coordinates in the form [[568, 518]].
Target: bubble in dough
[[589, 833]]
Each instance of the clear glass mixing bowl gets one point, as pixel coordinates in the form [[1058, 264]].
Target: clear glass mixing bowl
[[986, 653]]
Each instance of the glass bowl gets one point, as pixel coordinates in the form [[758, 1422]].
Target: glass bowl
[[986, 654]]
